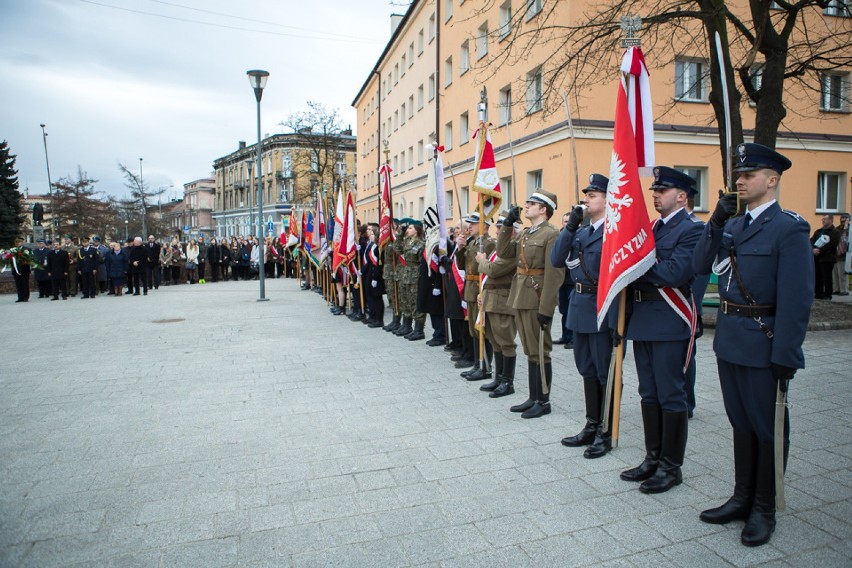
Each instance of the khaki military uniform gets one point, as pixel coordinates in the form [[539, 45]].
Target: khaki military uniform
[[500, 328], [535, 287], [71, 279], [472, 276]]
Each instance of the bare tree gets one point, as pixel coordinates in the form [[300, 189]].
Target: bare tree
[[321, 133], [770, 46], [140, 194], [80, 210]]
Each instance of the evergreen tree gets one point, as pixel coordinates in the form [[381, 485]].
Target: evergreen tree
[[11, 214]]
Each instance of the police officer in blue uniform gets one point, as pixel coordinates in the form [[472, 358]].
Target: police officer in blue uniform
[[760, 328], [87, 266], [580, 250], [661, 335]]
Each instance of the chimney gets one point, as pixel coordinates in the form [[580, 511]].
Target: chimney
[[241, 145], [395, 19]]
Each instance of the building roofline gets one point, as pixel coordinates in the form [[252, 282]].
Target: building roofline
[[397, 32], [291, 138]]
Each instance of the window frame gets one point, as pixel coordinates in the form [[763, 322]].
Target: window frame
[[821, 192], [703, 84]]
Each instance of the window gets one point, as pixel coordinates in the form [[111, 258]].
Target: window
[[692, 80], [756, 76], [411, 106], [482, 41], [402, 160], [448, 136], [388, 84], [448, 71], [448, 9], [534, 90], [534, 181], [464, 58], [700, 177], [504, 105], [464, 129], [315, 165], [533, 8], [395, 120], [396, 74], [464, 198], [420, 97], [842, 8], [410, 157], [421, 207], [420, 149], [420, 42], [431, 27], [506, 187], [402, 114], [448, 201], [830, 190], [835, 92], [411, 54], [431, 86], [505, 19], [403, 66]]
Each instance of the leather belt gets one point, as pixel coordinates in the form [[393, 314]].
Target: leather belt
[[471, 277], [647, 296], [581, 288], [756, 311], [490, 286], [531, 271]]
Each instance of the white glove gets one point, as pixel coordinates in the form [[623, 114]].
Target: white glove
[[464, 305], [442, 270], [436, 291], [374, 284]]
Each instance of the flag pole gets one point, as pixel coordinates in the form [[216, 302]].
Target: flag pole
[[482, 136]]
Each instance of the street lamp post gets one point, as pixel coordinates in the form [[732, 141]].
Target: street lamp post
[[144, 208], [53, 218], [249, 165], [257, 79], [126, 236]]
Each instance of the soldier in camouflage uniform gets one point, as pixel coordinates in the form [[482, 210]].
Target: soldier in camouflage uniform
[[390, 274], [410, 248], [500, 329], [472, 244]]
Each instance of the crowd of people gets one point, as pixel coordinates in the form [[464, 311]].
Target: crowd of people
[[483, 294]]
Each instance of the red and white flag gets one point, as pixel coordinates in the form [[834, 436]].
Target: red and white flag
[[639, 104], [485, 178], [386, 235], [628, 242], [344, 253]]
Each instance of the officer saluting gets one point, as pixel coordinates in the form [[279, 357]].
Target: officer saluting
[[661, 329], [760, 328], [580, 250], [534, 293]]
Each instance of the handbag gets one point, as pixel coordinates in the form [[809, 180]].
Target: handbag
[[191, 265]]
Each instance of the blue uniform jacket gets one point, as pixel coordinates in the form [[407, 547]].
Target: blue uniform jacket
[[88, 259], [583, 309], [776, 266], [655, 320]]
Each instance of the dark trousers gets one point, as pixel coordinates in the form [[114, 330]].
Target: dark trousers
[[214, 271], [659, 365], [139, 278], [44, 288], [437, 321], [59, 284], [152, 275], [564, 301], [201, 269], [22, 283], [175, 270], [592, 354], [87, 284], [749, 395], [823, 287]]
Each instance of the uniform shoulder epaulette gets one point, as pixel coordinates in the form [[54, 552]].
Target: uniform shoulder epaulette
[[792, 214], [696, 220]]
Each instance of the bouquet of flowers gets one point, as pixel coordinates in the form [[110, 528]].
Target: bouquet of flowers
[[16, 257]]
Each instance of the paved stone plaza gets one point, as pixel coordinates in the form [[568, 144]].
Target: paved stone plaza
[[239, 433]]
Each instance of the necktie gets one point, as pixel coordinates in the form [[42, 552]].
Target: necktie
[[747, 220], [657, 226]]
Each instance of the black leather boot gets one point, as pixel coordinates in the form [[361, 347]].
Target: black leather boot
[[652, 425], [761, 520], [498, 374], [668, 472], [602, 443], [417, 334], [475, 366], [393, 325], [404, 328], [482, 370], [532, 380], [507, 385], [586, 436], [737, 507], [542, 403]]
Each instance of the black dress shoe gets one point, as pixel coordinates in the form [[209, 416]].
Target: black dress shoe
[[585, 437], [464, 363], [536, 410], [434, 342], [560, 341], [569, 345], [478, 375]]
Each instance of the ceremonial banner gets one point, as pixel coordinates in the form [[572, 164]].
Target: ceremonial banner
[[628, 242], [293, 230], [344, 254], [435, 212], [485, 179], [386, 216], [308, 239], [323, 237], [639, 105]]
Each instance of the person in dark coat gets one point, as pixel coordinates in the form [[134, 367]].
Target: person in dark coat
[[461, 345], [57, 268], [824, 242], [116, 263], [21, 274], [103, 251], [87, 266], [374, 284], [152, 263], [225, 257], [214, 259], [138, 263], [430, 298], [42, 279]]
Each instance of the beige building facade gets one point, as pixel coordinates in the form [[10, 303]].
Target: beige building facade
[[295, 168], [427, 83]]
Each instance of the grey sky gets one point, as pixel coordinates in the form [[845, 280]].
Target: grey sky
[[114, 82]]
